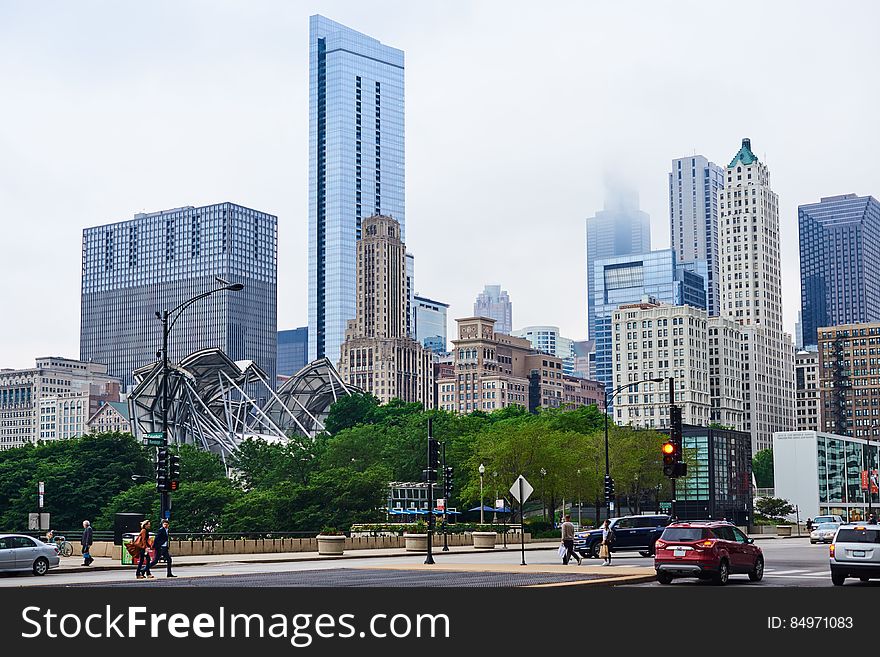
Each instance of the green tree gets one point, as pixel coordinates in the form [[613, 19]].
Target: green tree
[[774, 508], [198, 465], [141, 498], [762, 467], [350, 411]]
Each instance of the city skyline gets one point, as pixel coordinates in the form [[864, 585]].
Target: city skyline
[[121, 146]]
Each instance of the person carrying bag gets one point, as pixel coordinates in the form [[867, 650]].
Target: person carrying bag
[[142, 548], [607, 542]]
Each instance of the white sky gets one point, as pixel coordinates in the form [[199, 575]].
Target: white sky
[[516, 114]]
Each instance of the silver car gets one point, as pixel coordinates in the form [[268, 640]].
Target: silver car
[[855, 552], [20, 553], [824, 533]]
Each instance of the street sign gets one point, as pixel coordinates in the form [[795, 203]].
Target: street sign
[[154, 439], [666, 506], [441, 504], [42, 490], [499, 504], [526, 488]]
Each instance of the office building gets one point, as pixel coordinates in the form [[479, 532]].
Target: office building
[[52, 400], [695, 186], [624, 280], [378, 355], [431, 323], [751, 294], [620, 229], [110, 417], [584, 359], [495, 303], [840, 258], [411, 296], [546, 339], [356, 166], [293, 351], [725, 372], [133, 269], [806, 372], [849, 387]]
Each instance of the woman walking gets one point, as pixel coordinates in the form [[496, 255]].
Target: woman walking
[[607, 542], [143, 544]]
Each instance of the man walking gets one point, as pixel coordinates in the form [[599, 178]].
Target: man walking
[[568, 541], [162, 543], [86, 543]]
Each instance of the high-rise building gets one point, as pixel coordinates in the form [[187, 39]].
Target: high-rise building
[[840, 258], [156, 261], [293, 351], [546, 339], [52, 400], [620, 229], [584, 358], [695, 186], [806, 371], [411, 296], [378, 354], [630, 279], [431, 323], [725, 372], [495, 303], [751, 294], [356, 166]]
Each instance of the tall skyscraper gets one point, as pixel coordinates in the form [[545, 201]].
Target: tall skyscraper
[[156, 261], [840, 258], [356, 166], [495, 303], [751, 294], [378, 354], [431, 323], [293, 350], [621, 229], [695, 186]]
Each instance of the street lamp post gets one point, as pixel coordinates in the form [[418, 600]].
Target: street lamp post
[[482, 471], [494, 506], [608, 399], [579, 497], [166, 330], [543, 492]]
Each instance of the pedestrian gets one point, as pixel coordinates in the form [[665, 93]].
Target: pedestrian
[[142, 542], [809, 524], [568, 541], [607, 542], [86, 543], [872, 519], [162, 543]]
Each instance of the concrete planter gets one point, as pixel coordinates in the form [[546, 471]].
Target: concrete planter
[[783, 530], [484, 540], [331, 546], [416, 542]]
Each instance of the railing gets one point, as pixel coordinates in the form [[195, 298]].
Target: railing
[[74, 536]]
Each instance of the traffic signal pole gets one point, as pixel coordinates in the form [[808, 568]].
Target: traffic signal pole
[[429, 477], [165, 496], [673, 430]]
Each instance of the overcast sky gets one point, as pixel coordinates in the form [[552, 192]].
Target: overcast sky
[[516, 115]]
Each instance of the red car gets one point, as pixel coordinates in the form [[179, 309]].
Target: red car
[[707, 549]]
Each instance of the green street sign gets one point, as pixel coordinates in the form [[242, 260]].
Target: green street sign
[[666, 506], [154, 439]]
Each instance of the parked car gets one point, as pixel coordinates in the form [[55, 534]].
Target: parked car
[[855, 552], [819, 520], [824, 533], [707, 550], [630, 533], [20, 553]]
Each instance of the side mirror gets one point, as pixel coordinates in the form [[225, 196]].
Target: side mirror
[[750, 540]]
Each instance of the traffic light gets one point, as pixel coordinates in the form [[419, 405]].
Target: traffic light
[[609, 488], [162, 469], [675, 434], [447, 482], [173, 472], [669, 461]]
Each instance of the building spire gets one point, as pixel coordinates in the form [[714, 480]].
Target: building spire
[[744, 155]]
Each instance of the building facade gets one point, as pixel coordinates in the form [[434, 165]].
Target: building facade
[[725, 372], [695, 186], [620, 229], [495, 303], [839, 241], [751, 294], [584, 358], [293, 351], [806, 372], [431, 323], [356, 166], [112, 416], [133, 269], [547, 339], [378, 354], [52, 400]]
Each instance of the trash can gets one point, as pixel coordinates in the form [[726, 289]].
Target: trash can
[[126, 557]]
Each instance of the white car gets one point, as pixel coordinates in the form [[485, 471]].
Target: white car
[[20, 553], [819, 520], [824, 533]]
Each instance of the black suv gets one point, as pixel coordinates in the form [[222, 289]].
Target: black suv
[[630, 533]]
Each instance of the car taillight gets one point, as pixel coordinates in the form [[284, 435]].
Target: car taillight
[[660, 545], [707, 543], [57, 551], [831, 549]]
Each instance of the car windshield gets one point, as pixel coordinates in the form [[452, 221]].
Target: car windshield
[[858, 535], [828, 525], [823, 520], [683, 534]]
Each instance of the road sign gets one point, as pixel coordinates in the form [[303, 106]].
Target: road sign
[[154, 439], [499, 504], [527, 489], [441, 504], [41, 490], [666, 506]]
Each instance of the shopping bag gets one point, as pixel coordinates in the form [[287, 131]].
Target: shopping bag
[[603, 551], [562, 550]]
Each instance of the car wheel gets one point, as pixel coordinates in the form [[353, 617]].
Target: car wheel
[[41, 566], [837, 578], [723, 573], [864, 579], [645, 553], [594, 549], [664, 578], [812, 542], [758, 573]]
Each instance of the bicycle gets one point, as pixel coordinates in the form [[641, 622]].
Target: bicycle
[[65, 547]]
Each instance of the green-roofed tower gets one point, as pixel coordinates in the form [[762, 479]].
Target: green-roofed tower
[[744, 155]]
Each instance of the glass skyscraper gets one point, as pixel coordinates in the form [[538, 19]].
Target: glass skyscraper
[[293, 350], [156, 261], [356, 166], [495, 303], [629, 279], [840, 258], [431, 323]]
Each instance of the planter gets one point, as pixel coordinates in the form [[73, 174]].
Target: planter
[[416, 542], [484, 540], [783, 530], [331, 546]]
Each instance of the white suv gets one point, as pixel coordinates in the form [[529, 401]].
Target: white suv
[[855, 552]]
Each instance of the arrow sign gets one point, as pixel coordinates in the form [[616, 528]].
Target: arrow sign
[[526, 489]]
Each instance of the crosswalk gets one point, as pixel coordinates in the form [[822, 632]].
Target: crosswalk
[[796, 573]]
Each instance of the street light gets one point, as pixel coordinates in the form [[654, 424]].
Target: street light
[[482, 469], [607, 400], [495, 506], [543, 502], [579, 497], [166, 330]]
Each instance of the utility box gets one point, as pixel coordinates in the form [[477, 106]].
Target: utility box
[[126, 523]]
